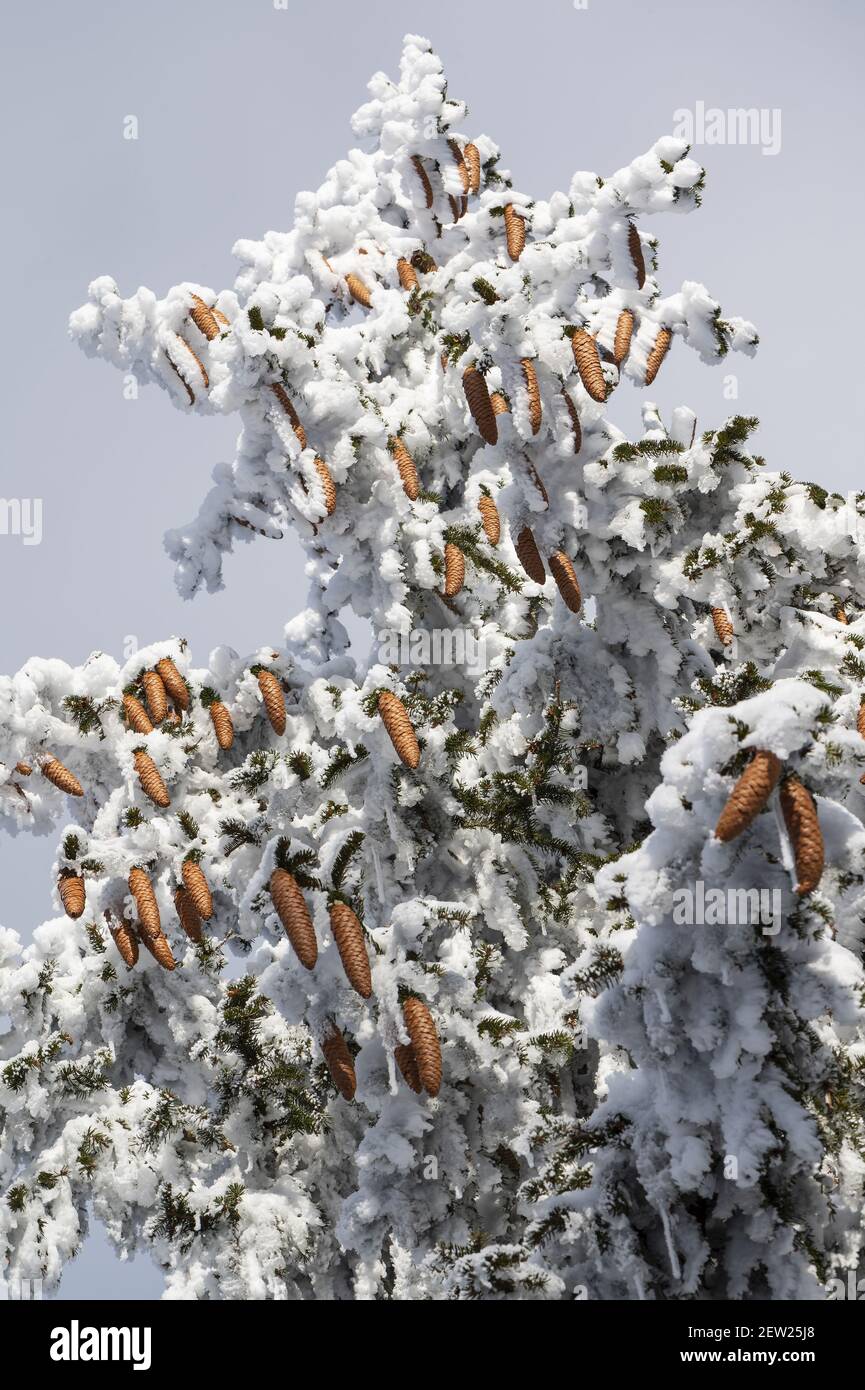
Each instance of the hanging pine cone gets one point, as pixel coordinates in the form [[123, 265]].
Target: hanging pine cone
[[190, 394], [274, 700], [407, 1063], [530, 377], [472, 157], [154, 694], [220, 317], [295, 916], [407, 274], [187, 915], [425, 1043], [499, 404], [622, 340], [588, 362], [635, 246], [406, 468], [462, 167], [151, 782], [749, 795], [566, 578], [203, 318], [478, 398], [424, 178], [860, 719], [126, 942], [394, 716], [723, 626], [348, 935], [327, 483], [60, 776], [160, 950], [575, 422], [71, 890], [803, 827], [841, 615], [340, 1064], [359, 291], [658, 353], [173, 681], [530, 557], [490, 519], [515, 232], [223, 726], [23, 769], [136, 715], [145, 901], [196, 886], [202, 370], [293, 418], [455, 570]]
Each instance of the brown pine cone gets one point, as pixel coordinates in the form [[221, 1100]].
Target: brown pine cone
[[395, 718], [71, 890], [151, 782], [803, 827], [499, 404], [723, 627], [424, 178], [327, 483], [515, 232], [531, 379], [159, 948], [478, 398], [530, 557], [197, 888], [293, 418], [184, 383], [635, 246], [154, 694], [187, 915], [860, 719], [407, 1063], [223, 725], [202, 370], [588, 363], [490, 519], [61, 777], [407, 274], [23, 769], [203, 318], [841, 615], [126, 942], [425, 1043], [137, 717], [622, 340], [749, 795], [455, 570], [295, 917], [462, 167], [274, 700], [145, 901], [406, 468], [348, 935], [173, 681], [566, 578], [456, 208], [575, 422], [658, 353], [359, 291], [340, 1064], [472, 158], [220, 317]]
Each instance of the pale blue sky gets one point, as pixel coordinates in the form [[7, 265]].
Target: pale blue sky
[[240, 105]]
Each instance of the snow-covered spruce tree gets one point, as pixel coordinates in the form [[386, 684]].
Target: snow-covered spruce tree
[[355, 1066]]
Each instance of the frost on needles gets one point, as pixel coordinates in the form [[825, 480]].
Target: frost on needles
[[366, 979]]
